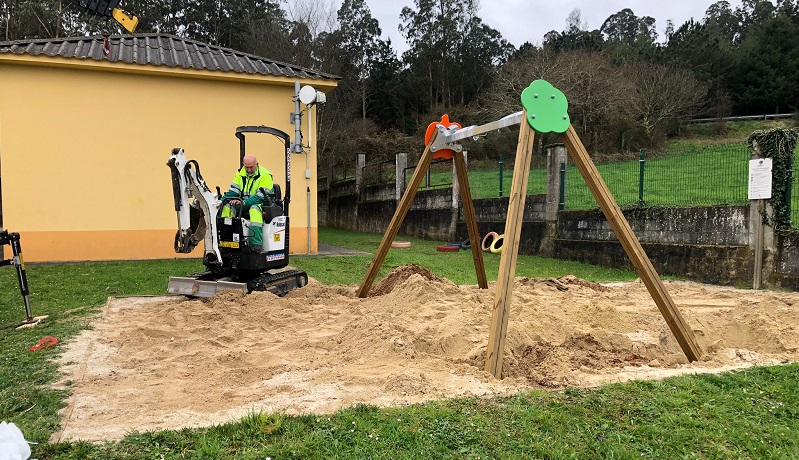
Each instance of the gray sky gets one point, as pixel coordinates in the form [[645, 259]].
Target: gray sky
[[528, 20]]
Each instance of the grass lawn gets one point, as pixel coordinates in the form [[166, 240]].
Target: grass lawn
[[746, 414], [704, 175]]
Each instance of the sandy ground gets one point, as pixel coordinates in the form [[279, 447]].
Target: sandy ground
[[169, 362]]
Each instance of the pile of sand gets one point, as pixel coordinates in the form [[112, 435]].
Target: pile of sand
[[161, 362]]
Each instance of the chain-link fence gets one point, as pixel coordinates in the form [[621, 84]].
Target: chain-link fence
[[694, 176], [708, 175]]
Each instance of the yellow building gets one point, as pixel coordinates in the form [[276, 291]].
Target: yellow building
[[87, 125]]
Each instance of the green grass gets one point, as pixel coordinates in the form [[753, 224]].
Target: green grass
[[699, 175], [748, 414]]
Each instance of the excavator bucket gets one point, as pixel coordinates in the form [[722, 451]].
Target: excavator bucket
[[125, 19]]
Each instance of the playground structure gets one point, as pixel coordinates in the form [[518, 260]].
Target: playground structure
[[545, 109]]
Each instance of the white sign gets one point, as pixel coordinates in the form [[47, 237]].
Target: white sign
[[760, 179]]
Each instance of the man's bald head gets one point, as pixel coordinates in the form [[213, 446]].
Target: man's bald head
[[250, 164]]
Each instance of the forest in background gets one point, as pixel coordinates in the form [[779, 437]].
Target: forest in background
[[627, 87]]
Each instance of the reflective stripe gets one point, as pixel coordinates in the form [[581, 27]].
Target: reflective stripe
[[256, 214]]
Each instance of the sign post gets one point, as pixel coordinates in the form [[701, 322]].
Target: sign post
[[760, 177]]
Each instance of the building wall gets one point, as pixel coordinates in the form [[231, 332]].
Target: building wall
[[84, 145]]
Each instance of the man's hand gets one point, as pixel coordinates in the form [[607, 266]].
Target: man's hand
[[235, 202]]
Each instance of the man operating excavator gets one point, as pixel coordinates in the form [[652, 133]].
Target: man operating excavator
[[250, 191]]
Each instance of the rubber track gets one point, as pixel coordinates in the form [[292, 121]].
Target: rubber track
[[279, 283]]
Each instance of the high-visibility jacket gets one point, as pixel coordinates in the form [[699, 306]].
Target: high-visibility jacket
[[251, 190]]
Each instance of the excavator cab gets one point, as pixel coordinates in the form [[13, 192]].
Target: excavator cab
[[234, 233]]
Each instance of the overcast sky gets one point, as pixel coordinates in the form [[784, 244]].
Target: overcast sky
[[521, 21]]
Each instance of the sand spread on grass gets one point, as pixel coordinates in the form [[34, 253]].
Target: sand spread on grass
[[154, 363]]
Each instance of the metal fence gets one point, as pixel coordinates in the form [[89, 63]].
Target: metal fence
[[342, 172], [708, 175], [438, 175], [695, 176], [380, 173]]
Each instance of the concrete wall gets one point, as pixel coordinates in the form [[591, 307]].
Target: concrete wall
[[708, 244], [786, 265]]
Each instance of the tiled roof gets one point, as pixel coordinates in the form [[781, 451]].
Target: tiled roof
[[160, 50]]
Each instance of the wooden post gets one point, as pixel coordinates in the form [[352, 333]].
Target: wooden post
[[510, 249], [680, 329], [471, 219], [396, 221]]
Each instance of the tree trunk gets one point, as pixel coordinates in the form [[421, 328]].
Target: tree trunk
[[59, 19], [363, 99]]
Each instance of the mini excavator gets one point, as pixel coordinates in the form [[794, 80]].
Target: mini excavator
[[229, 259]]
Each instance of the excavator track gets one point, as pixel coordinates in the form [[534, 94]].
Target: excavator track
[[279, 283], [207, 284]]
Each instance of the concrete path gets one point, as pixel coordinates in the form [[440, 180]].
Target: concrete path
[[328, 250]]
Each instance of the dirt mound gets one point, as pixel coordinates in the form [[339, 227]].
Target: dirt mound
[[156, 363], [400, 275]]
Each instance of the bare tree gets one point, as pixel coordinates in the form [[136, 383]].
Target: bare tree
[[660, 94], [595, 89], [318, 16]]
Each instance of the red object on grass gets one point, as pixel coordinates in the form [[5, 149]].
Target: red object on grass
[[447, 248], [46, 342]]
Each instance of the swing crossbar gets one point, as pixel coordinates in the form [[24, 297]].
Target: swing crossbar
[[473, 131]]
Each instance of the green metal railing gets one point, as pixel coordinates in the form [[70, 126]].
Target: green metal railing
[[438, 175], [342, 172], [715, 174]]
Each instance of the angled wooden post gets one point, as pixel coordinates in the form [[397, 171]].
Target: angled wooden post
[[471, 219], [396, 221], [680, 329], [510, 250]]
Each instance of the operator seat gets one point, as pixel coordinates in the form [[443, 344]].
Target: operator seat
[[275, 208]]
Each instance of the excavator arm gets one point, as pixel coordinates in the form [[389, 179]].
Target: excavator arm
[[196, 207], [110, 9]]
